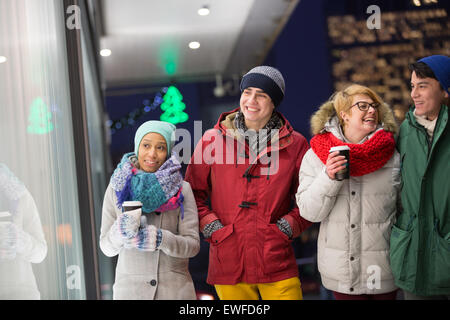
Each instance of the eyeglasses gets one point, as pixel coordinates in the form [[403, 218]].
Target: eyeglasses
[[364, 106]]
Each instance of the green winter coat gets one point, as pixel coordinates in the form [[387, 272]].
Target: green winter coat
[[420, 239]]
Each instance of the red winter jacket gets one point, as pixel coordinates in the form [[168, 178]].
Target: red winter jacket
[[249, 200]]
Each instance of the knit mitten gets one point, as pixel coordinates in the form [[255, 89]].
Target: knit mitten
[[147, 239], [14, 240], [285, 227], [128, 225], [8, 242], [211, 227], [24, 240]]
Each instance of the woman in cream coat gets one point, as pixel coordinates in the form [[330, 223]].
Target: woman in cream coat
[[153, 252], [356, 214]]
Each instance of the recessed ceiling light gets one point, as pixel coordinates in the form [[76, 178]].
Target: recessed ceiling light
[[194, 45], [105, 52], [2, 59], [203, 11]]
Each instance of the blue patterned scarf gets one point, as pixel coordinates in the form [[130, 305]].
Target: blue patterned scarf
[[152, 189]]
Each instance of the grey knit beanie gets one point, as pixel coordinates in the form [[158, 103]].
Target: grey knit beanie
[[269, 79]]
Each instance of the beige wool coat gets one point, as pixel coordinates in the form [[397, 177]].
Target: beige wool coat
[[162, 274], [356, 216]]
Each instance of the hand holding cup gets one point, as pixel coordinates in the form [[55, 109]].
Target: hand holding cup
[[129, 220], [337, 165]]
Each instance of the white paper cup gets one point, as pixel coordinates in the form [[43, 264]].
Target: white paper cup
[[132, 208]]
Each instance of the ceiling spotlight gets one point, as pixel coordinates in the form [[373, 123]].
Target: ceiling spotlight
[[194, 45], [203, 11], [2, 59], [105, 52]]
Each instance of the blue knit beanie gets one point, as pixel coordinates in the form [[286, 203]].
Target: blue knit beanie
[[268, 79], [441, 69], [166, 129]]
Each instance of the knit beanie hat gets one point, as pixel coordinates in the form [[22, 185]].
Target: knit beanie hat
[[268, 79], [166, 129], [441, 69]]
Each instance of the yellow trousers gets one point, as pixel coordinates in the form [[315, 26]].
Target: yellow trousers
[[289, 289]]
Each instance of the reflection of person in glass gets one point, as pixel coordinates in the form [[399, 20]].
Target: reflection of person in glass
[[22, 240], [153, 252]]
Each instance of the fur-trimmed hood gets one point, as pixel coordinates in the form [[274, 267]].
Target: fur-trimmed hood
[[324, 117]]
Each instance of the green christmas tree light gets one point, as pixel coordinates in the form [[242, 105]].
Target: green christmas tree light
[[173, 107], [39, 120]]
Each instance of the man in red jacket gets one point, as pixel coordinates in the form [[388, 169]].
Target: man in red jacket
[[248, 167]]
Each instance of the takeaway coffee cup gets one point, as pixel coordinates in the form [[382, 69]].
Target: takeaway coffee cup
[[133, 205], [343, 151], [7, 247], [5, 216]]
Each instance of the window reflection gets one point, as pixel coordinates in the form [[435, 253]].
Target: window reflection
[[22, 241], [42, 255]]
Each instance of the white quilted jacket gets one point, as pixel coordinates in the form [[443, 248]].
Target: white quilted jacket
[[356, 217]]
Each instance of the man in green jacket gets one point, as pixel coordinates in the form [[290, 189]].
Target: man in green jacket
[[420, 240]]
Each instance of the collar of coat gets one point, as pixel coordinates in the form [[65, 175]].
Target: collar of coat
[[226, 126], [326, 112], [441, 123]]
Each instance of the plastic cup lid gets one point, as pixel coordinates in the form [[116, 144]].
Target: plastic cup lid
[[131, 204], [339, 148]]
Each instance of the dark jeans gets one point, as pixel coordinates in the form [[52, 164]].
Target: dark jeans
[[383, 296], [412, 296]]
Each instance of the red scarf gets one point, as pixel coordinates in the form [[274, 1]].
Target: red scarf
[[365, 158]]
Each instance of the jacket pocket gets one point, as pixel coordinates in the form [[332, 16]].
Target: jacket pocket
[[278, 252], [400, 243], [224, 256], [441, 258]]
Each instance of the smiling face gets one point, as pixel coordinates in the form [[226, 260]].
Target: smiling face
[[257, 107], [358, 124], [152, 152], [427, 95]]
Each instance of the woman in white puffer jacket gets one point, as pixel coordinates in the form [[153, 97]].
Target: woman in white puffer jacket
[[356, 214]]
